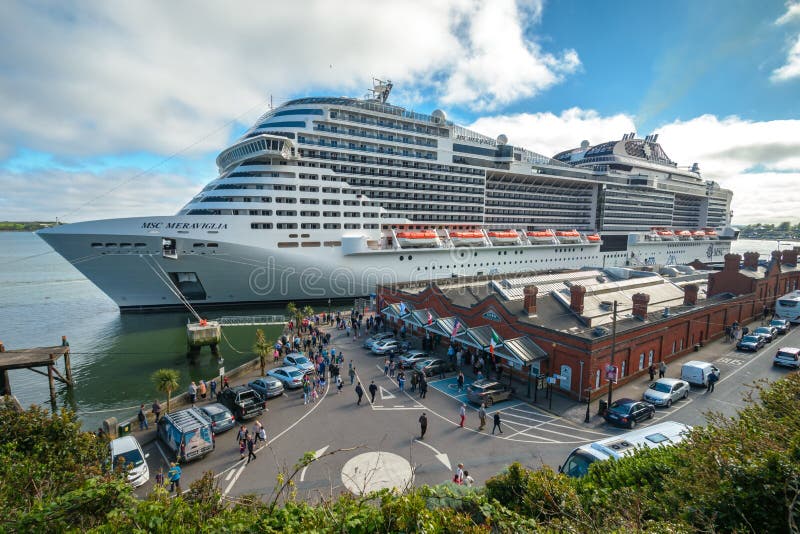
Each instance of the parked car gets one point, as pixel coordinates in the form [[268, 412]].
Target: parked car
[[751, 343], [267, 387], [665, 391], [188, 434], [766, 333], [244, 402], [221, 418], [787, 357], [781, 325], [628, 412], [296, 359], [291, 377], [127, 451], [411, 358], [488, 392], [376, 338], [433, 366], [387, 346]]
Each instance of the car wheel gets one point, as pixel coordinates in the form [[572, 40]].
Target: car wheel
[[686, 394], [489, 401], [632, 424], [652, 414], [669, 403]]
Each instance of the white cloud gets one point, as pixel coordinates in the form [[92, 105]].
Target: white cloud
[[792, 13], [79, 196], [758, 160], [790, 69], [95, 77]]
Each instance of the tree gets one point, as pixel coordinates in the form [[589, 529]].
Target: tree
[[262, 349], [308, 311], [292, 312], [784, 226], [166, 381]]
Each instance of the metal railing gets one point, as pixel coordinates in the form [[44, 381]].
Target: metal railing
[[251, 320]]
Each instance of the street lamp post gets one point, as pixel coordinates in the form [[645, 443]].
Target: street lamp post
[[613, 349], [588, 404]]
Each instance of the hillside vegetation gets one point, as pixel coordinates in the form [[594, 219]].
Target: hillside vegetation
[[6, 226], [738, 474]]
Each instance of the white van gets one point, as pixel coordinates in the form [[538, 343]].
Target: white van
[[787, 357], [697, 373], [667, 433], [128, 451]]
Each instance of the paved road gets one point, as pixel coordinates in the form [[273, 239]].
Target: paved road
[[381, 442]]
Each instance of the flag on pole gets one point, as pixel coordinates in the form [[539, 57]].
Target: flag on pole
[[495, 341], [455, 329], [430, 318]]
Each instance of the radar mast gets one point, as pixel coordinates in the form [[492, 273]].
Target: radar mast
[[380, 90]]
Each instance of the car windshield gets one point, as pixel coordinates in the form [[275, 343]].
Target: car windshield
[[479, 388], [777, 322], [660, 386], [622, 409], [129, 457], [295, 373], [302, 360], [750, 339], [762, 330], [219, 416]]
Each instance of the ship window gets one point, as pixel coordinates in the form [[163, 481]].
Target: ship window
[[198, 245], [212, 245], [352, 226], [97, 245], [309, 226], [287, 244], [333, 243], [286, 226], [292, 235], [111, 244], [136, 245], [309, 213], [260, 226], [331, 226], [310, 244]]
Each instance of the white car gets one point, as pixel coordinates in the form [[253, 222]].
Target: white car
[[665, 391], [127, 451], [389, 346], [296, 359]]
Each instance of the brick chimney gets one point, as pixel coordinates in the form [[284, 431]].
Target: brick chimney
[[789, 257], [576, 294], [690, 294], [640, 301], [776, 257], [529, 304], [732, 262], [751, 260]]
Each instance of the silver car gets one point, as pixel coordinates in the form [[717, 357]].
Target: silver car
[[221, 418], [376, 338], [664, 391], [389, 346]]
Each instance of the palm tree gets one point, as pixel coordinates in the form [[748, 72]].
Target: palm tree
[[308, 311], [166, 381], [292, 311], [262, 349]]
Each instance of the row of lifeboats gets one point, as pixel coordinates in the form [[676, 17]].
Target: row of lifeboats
[[684, 235], [463, 238]]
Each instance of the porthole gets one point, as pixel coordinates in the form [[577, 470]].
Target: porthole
[[401, 258], [409, 257]]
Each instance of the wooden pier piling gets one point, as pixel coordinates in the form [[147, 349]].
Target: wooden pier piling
[[33, 358]]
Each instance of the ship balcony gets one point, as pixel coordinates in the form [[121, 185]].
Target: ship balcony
[[260, 145]]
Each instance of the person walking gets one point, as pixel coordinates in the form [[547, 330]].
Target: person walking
[[386, 366], [662, 369], [262, 433], [423, 425], [192, 393], [458, 477], [460, 381], [352, 372], [174, 475], [212, 386], [401, 380], [156, 410], [392, 366], [202, 389], [423, 386], [712, 379], [468, 480], [414, 380], [251, 443], [306, 390], [497, 423], [359, 392], [482, 416], [373, 389], [652, 371], [462, 413], [142, 418], [339, 384]]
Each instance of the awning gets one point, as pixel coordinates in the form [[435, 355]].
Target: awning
[[444, 326], [421, 317], [480, 337], [521, 349], [394, 311]]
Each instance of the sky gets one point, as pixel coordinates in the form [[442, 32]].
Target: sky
[[115, 109]]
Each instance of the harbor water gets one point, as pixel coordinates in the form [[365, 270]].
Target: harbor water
[[43, 297]]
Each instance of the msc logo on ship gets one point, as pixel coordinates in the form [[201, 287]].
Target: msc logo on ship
[[714, 251]]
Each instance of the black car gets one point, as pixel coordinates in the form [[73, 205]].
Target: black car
[[433, 366], [243, 401], [628, 412], [781, 325]]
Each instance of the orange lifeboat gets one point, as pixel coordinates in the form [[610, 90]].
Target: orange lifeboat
[[711, 233], [466, 238], [420, 238], [545, 236], [503, 237], [699, 234], [594, 238], [666, 235], [568, 236], [684, 235]]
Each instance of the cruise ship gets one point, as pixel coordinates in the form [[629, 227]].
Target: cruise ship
[[324, 197]]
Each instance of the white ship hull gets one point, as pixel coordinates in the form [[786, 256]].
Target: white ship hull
[[237, 271]]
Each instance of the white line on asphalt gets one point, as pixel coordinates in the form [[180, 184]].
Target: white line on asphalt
[[235, 477], [317, 454], [441, 456], [164, 456], [230, 474]]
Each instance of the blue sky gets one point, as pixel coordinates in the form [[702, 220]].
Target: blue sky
[[120, 109]]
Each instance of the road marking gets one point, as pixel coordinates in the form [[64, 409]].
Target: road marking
[[235, 477], [230, 474], [442, 457], [385, 393], [373, 471], [317, 454]]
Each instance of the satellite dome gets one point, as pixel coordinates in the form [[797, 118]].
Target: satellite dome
[[502, 139], [584, 144], [439, 115]]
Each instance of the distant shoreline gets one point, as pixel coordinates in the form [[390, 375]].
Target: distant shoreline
[[7, 226]]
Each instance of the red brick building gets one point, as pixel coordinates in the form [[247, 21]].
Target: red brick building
[[571, 321]]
